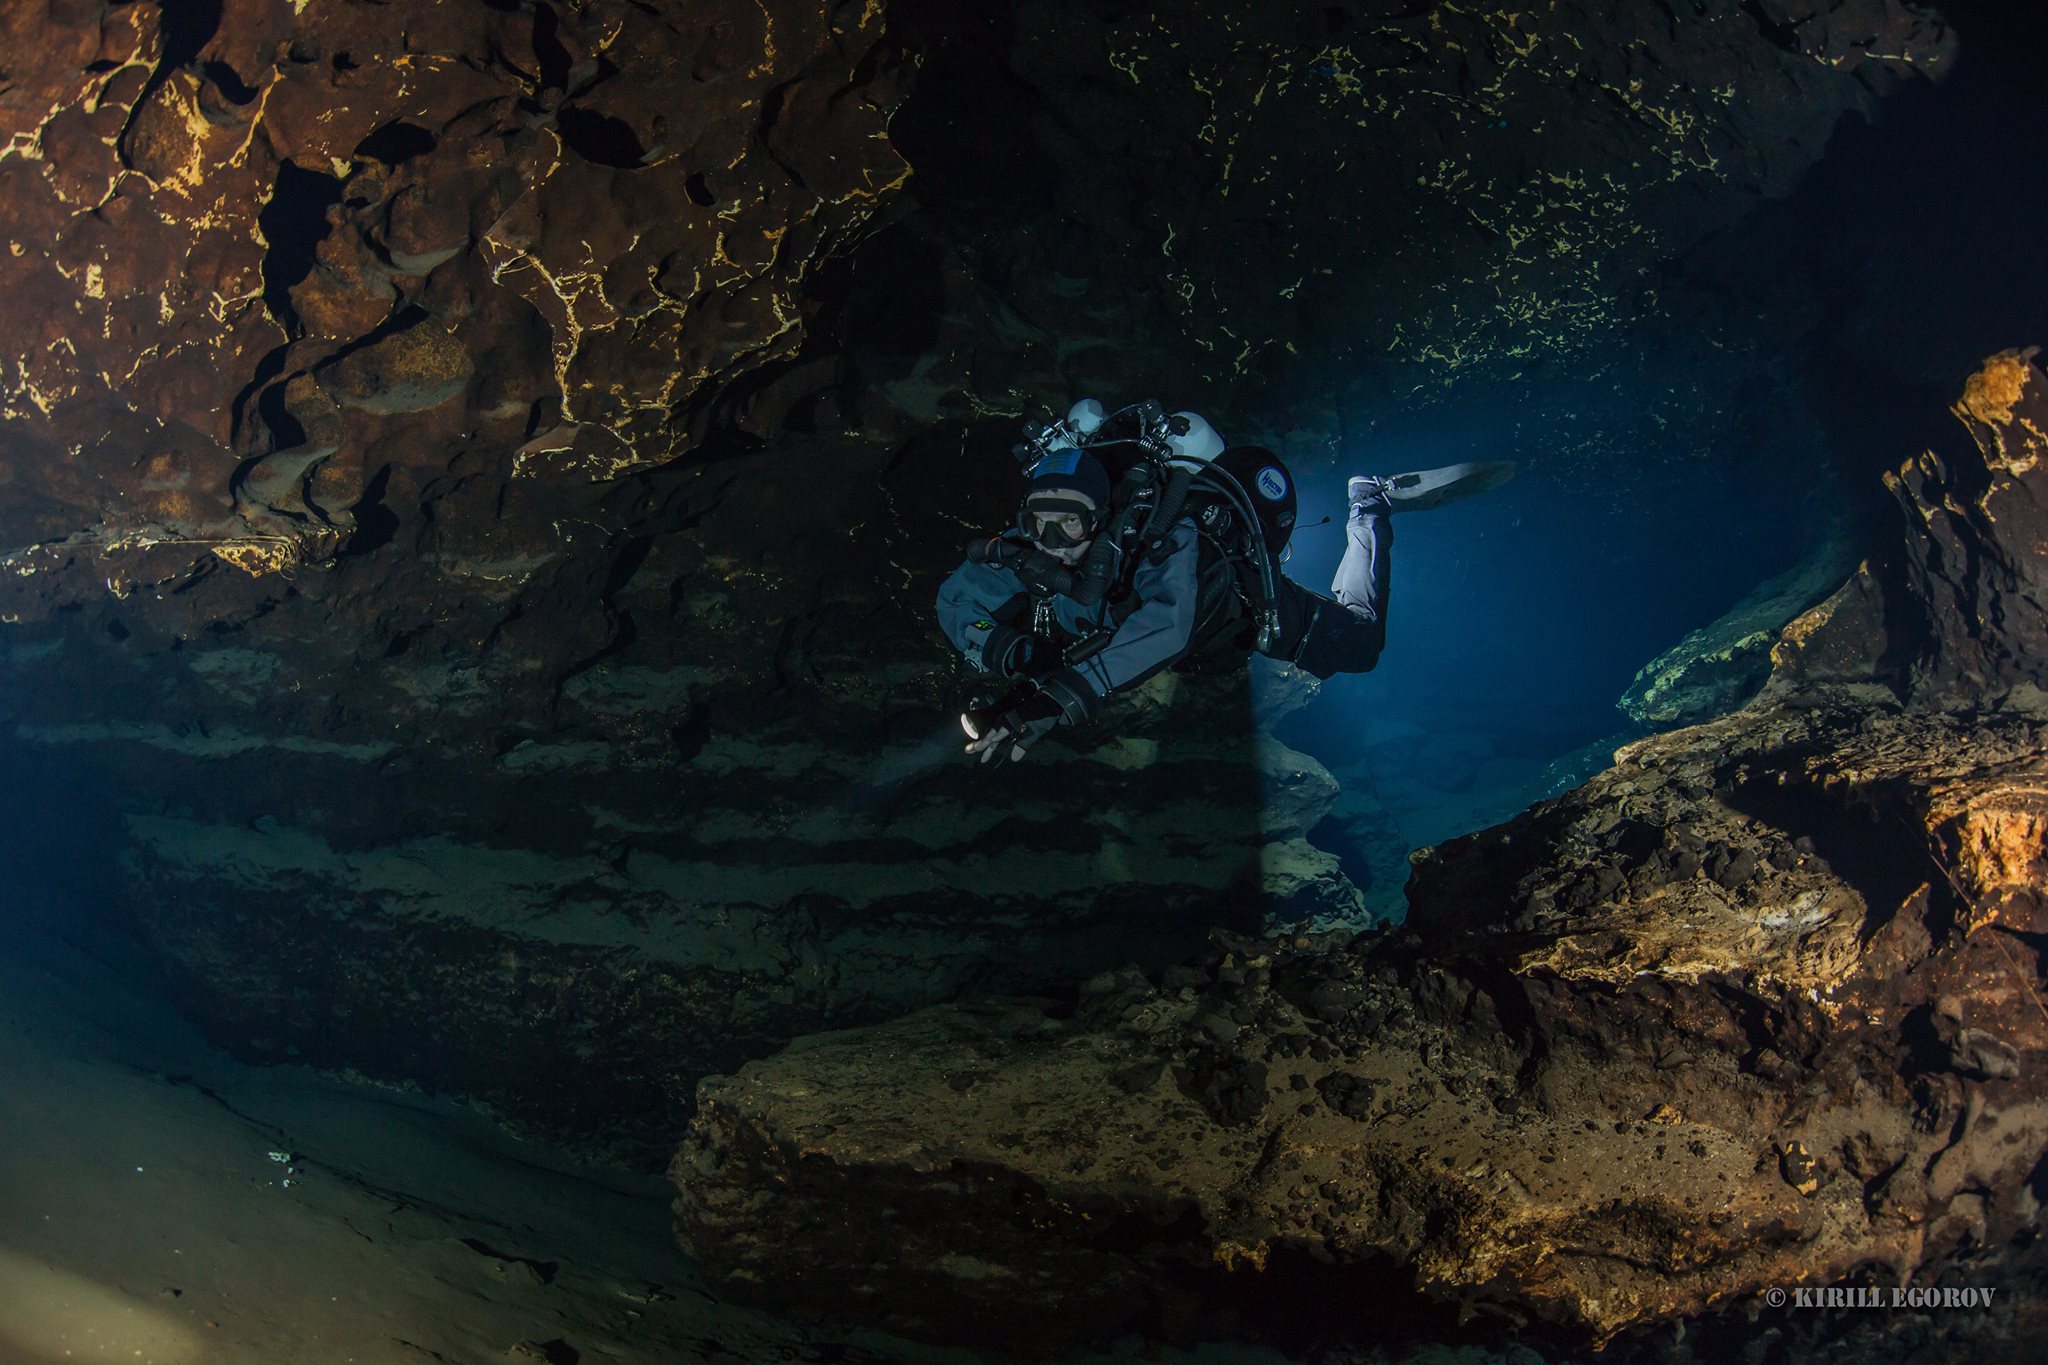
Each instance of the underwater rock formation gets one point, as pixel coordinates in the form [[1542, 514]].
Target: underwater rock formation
[[1758, 1006], [577, 967], [509, 241], [1723, 664], [1977, 570]]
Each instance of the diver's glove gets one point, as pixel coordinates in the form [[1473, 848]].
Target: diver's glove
[[1026, 714], [1008, 652]]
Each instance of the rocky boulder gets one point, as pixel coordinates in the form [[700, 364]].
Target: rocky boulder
[[1721, 665]]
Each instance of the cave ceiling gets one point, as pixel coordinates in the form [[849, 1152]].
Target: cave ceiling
[[296, 282]]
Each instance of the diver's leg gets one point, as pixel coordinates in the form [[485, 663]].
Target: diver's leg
[[1362, 575], [1327, 638]]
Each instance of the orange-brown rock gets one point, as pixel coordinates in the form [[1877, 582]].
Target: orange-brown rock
[[199, 217]]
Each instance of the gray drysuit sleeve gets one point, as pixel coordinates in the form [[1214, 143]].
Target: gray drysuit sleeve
[[1163, 625], [978, 607]]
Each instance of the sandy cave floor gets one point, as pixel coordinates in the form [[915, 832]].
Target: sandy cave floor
[[162, 1204]]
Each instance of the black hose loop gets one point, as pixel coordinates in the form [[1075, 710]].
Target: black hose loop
[[1167, 511], [1095, 575]]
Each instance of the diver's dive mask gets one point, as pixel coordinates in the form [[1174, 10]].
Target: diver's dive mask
[[1057, 521]]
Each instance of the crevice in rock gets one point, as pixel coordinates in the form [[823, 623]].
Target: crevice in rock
[[229, 82], [186, 28], [294, 223], [624, 633], [376, 525], [404, 319], [601, 139], [1864, 834], [395, 143], [544, 412], [285, 430], [267, 369], [548, 49]]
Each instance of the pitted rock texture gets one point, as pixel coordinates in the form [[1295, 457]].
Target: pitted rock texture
[[1760, 1005], [408, 242]]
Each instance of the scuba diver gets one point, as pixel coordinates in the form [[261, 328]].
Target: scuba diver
[[1144, 543]]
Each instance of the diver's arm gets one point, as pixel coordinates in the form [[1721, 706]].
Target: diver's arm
[[979, 608], [1159, 631]]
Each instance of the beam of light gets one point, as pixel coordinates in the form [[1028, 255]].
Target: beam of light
[[897, 769], [49, 1316]]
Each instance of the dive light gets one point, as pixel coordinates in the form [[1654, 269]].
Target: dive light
[[985, 715]]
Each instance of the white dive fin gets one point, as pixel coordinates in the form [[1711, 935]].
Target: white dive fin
[[1426, 488]]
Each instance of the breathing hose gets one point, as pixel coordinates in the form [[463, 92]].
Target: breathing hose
[[1167, 511]]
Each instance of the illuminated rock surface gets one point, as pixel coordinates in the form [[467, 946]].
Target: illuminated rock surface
[[1720, 666], [1759, 1006]]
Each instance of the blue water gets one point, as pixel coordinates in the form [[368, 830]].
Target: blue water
[[1518, 617]]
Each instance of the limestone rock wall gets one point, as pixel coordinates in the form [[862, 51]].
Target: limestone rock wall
[[293, 267], [1979, 559], [756, 824], [1720, 666]]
